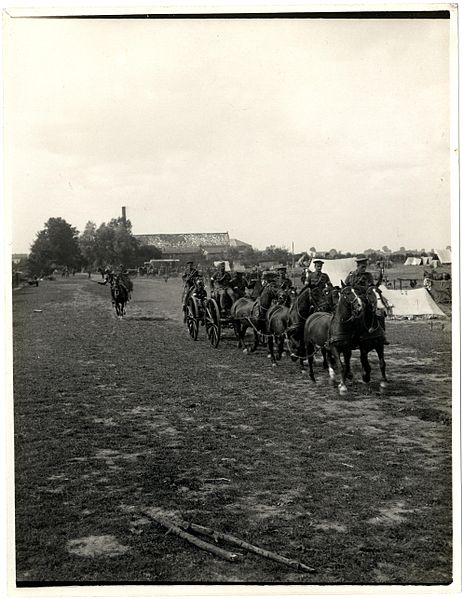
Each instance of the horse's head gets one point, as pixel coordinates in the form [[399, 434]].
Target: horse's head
[[350, 305], [284, 297], [268, 294]]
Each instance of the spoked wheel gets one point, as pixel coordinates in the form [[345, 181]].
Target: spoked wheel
[[192, 317], [212, 319]]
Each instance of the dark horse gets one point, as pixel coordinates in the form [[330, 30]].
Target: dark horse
[[305, 304], [246, 312], [277, 322], [335, 332], [371, 334], [119, 295]]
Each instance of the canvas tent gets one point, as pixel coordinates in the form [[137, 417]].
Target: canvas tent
[[338, 270], [426, 259], [412, 261], [445, 256], [411, 302]]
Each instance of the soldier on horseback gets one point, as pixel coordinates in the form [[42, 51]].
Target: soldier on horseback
[[318, 279], [125, 280], [360, 280], [283, 281], [221, 286]]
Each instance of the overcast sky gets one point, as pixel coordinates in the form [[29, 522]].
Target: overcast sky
[[325, 133]]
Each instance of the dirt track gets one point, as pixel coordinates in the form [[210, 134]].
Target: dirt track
[[117, 418]]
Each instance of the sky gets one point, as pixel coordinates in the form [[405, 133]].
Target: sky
[[324, 133]]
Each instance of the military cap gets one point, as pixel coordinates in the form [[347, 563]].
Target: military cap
[[281, 267], [190, 262], [361, 258], [318, 260]]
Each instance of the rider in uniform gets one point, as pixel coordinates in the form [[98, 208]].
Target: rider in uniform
[[318, 279], [238, 284], [360, 279], [283, 281], [220, 281], [188, 279], [124, 279]]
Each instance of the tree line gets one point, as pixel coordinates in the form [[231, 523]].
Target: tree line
[[59, 244]]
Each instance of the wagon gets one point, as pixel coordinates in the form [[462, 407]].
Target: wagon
[[201, 310]]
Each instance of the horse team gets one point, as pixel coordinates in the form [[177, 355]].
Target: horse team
[[334, 321]]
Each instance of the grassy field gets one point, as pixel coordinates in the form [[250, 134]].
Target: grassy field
[[117, 420]]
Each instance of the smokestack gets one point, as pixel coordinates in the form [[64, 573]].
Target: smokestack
[[124, 218]]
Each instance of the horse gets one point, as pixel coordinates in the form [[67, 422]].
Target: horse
[[306, 303], [371, 334], [247, 312], [119, 295], [277, 323], [335, 332]]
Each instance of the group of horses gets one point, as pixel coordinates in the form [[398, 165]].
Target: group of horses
[[335, 321]]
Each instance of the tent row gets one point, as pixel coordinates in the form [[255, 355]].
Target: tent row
[[444, 257]]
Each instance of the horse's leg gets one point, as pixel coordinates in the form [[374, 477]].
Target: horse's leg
[[382, 364], [238, 332], [366, 368], [341, 369], [348, 371], [255, 345], [332, 367], [281, 349], [310, 348], [325, 362], [271, 352]]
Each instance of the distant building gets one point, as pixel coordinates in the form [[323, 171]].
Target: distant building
[[199, 247]]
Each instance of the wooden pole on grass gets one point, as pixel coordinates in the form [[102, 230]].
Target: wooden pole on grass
[[218, 536], [231, 557]]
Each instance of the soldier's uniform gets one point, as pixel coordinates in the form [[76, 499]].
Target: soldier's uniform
[[221, 280], [188, 278], [189, 275], [283, 281], [318, 280], [125, 279], [238, 284], [360, 280]]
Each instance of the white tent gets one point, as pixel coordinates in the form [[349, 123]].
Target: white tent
[[412, 261], [445, 256], [338, 270], [426, 259], [411, 302]]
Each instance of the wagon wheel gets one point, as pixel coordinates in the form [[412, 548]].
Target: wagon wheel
[[212, 319], [192, 317]]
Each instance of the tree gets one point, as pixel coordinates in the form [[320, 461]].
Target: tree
[[277, 254], [146, 253], [333, 253], [313, 250], [56, 245], [385, 249], [87, 244], [115, 243]]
